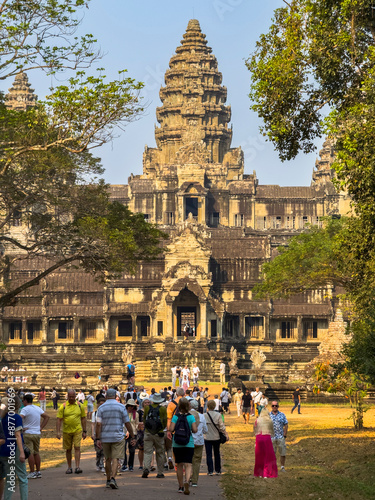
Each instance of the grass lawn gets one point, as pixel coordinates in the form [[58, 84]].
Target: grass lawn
[[326, 458]]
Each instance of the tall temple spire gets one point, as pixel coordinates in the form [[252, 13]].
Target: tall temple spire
[[323, 172], [21, 96], [193, 100]]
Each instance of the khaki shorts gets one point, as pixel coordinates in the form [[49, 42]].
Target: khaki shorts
[[279, 445], [32, 441], [70, 439], [114, 450]]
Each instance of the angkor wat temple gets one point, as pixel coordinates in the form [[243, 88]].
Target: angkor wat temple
[[222, 226]]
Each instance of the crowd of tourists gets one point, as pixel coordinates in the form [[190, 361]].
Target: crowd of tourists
[[169, 430]]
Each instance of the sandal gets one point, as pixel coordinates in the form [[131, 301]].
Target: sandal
[[69, 471], [77, 470]]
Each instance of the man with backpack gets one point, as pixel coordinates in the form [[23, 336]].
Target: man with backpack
[[155, 421], [131, 373]]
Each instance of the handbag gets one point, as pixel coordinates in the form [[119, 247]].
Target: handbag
[[26, 450], [222, 436]]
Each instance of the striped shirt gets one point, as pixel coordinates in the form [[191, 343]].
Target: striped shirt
[[112, 415]]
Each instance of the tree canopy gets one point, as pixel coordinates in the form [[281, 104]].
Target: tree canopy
[[313, 74], [54, 206]]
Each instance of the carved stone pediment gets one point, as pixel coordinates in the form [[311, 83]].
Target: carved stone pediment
[[186, 269], [195, 188], [195, 152], [188, 242]]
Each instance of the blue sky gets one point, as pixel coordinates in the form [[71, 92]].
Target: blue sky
[[142, 36]]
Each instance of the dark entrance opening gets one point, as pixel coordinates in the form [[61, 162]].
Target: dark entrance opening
[[143, 324], [186, 315], [191, 206]]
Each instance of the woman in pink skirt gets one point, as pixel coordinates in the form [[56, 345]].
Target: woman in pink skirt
[[265, 458]]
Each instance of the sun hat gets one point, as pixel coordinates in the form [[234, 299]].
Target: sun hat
[[130, 402], [143, 395], [156, 398]]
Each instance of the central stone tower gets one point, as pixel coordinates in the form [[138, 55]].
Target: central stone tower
[[193, 100], [193, 152]]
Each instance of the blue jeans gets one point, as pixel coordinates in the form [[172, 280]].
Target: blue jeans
[[297, 404], [20, 472], [215, 446]]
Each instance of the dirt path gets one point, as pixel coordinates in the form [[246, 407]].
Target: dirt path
[[56, 485]]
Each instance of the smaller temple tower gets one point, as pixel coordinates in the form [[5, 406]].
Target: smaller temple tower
[[21, 97]]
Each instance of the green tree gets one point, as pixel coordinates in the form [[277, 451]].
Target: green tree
[[338, 379], [312, 259], [313, 74], [54, 208]]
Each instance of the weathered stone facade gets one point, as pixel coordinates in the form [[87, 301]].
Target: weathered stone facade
[[222, 226]]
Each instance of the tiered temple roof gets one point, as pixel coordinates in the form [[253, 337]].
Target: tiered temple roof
[[21, 97]]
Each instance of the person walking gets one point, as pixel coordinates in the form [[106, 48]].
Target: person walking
[[72, 416], [225, 398], [81, 397], [178, 376], [42, 399], [198, 441], [182, 426], [297, 400], [237, 398], [98, 451], [11, 439], [174, 376], [131, 373], [246, 406], [32, 428], [131, 408], [110, 420], [256, 395], [55, 398], [90, 405], [280, 425], [155, 421], [263, 402], [265, 458], [222, 372], [196, 372], [212, 438]]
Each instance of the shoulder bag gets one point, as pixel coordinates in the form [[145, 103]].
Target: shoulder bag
[[223, 437]]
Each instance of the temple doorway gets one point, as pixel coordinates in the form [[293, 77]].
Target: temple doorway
[[187, 312], [186, 316]]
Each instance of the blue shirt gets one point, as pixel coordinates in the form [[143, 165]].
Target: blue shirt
[[112, 415], [279, 420], [191, 420], [10, 424]]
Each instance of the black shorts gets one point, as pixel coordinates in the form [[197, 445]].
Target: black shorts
[[183, 455]]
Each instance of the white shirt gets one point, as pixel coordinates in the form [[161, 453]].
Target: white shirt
[[196, 371], [222, 368], [263, 401], [256, 396], [186, 372], [202, 429], [218, 402], [31, 419], [173, 370], [81, 397]]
